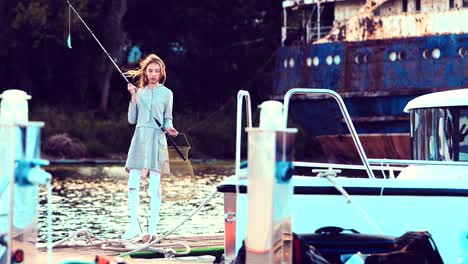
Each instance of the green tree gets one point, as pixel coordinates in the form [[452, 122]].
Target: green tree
[[212, 48], [38, 61]]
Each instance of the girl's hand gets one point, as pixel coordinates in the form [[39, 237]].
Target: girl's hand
[[132, 89], [172, 131]]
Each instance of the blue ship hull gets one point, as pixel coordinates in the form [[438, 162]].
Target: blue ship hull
[[376, 79]]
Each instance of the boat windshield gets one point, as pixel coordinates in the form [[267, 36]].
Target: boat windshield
[[440, 133], [463, 127]]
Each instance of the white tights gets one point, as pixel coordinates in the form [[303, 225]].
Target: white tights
[[134, 197]]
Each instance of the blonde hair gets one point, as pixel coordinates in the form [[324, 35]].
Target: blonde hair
[[139, 73]]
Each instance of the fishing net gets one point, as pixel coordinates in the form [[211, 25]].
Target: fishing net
[[179, 183]]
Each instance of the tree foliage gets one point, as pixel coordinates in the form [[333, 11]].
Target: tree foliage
[[211, 48]]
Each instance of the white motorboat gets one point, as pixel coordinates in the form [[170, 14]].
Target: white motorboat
[[388, 197]]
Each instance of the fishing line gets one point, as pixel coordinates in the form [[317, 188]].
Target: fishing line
[[102, 47]]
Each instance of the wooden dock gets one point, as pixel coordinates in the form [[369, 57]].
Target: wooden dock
[[88, 254]]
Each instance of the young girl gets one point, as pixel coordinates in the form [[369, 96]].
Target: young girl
[[148, 149]]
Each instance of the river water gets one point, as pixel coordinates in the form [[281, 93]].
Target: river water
[[95, 199]]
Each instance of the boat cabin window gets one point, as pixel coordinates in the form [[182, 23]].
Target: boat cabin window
[[463, 156], [305, 23], [439, 133]]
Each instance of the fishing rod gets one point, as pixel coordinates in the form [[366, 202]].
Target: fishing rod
[[171, 140]]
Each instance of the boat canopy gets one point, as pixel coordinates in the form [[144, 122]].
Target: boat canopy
[[450, 98]]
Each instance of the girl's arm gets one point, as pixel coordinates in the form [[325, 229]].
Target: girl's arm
[[168, 113], [168, 117], [132, 113], [132, 108]]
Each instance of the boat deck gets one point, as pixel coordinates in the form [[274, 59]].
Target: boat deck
[[88, 254]]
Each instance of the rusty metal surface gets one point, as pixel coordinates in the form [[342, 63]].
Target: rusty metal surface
[[369, 27], [377, 63], [398, 65]]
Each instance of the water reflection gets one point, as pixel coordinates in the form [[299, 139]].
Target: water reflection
[[95, 199]]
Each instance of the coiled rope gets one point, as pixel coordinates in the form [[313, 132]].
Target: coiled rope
[[83, 238], [151, 243]]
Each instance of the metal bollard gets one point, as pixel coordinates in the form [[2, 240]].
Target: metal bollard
[[269, 235], [20, 177]]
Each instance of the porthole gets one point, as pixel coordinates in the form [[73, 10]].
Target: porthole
[[401, 55], [316, 61], [436, 53], [392, 56], [309, 62], [291, 63], [425, 54], [329, 60], [357, 60], [462, 52], [337, 59], [285, 63]]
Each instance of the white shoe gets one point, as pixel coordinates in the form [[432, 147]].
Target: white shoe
[[132, 232], [148, 238]]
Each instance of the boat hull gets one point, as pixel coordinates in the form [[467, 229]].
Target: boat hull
[[395, 206]]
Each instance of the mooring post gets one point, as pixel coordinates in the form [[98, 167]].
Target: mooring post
[[270, 151]]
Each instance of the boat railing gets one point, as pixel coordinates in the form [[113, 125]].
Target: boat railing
[[379, 164], [240, 97], [344, 112], [306, 164], [402, 162]]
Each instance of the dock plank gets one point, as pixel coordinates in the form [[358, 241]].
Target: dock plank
[[60, 255]]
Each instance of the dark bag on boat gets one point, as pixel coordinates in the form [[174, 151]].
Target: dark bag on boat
[[412, 247], [302, 253], [337, 245]]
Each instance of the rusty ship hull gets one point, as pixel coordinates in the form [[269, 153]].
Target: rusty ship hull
[[377, 64]]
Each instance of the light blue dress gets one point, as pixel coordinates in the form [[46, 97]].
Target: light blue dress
[[148, 149]]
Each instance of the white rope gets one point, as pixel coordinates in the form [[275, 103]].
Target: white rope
[[90, 240], [384, 176], [173, 229], [83, 238], [382, 170], [162, 248], [329, 175]]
